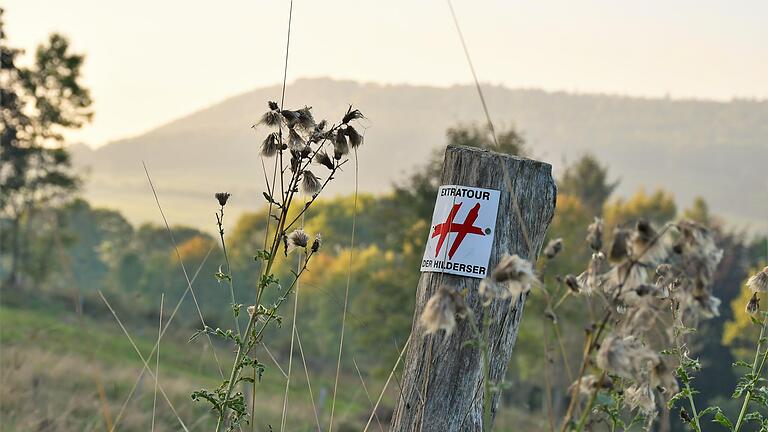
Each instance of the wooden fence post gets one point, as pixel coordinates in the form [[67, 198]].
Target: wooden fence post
[[442, 380]]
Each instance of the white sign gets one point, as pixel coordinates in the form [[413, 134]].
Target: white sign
[[461, 235]]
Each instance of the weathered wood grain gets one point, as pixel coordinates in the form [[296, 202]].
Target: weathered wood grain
[[442, 381]]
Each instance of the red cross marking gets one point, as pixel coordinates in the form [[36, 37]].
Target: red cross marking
[[462, 229]]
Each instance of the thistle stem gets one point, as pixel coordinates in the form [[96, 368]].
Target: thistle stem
[[756, 370], [220, 223], [696, 425]]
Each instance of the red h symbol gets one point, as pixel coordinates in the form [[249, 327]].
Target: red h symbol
[[462, 229]]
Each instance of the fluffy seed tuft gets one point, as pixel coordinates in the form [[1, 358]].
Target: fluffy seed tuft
[[553, 248], [758, 282], [441, 310], [310, 184], [296, 240]]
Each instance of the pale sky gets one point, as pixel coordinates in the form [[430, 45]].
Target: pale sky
[[150, 61]]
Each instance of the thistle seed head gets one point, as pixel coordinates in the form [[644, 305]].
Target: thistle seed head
[[305, 119], [296, 240], [553, 248], [310, 184], [617, 251], [351, 115], [271, 145], [441, 310], [355, 139], [513, 268], [572, 283], [591, 383], [758, 282], [340, 145], [271, 117], [317, 243], [592, 278], [753, 306], [595, 234], [291, 118], [222, 197], [640, 397], [295, 141], [644, 243], [323, 159]]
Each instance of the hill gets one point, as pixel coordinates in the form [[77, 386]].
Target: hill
[[690, 147]]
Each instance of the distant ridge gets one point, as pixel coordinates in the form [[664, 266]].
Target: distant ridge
[[691, 147]]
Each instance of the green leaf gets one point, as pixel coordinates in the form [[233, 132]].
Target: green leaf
[[221, 276], [271, 200], [262, 255], [723, 420]]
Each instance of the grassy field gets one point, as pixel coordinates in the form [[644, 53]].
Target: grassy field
[[59, 374]]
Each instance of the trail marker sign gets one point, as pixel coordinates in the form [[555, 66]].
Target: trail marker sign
[[461, 235]]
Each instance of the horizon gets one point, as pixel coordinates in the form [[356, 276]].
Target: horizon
[[590, 48], [668, 98]]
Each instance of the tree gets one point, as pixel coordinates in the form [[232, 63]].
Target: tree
[[658, 208], [510, 141], [699, 212], [39, 102], [587, 180]]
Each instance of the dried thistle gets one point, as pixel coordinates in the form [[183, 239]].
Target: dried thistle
[[753, 306], [515, 273], [618, 250], [355, 139], [295, 141], [310, 184], [591, 383], [351, 115], [758, 282], [491, 290], [553, 248], [625, 356], [271, 117], [340, 145], [595, 234], [641, 397], [222, 197], [291, 118], [323, 159], [624, 278], [271, 145], [317, 243], [513, 268], [441, 310], [296, 240], [663, 378], [641, 317], [572, 283], [592, 278], [644, 243], [305, 119]]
